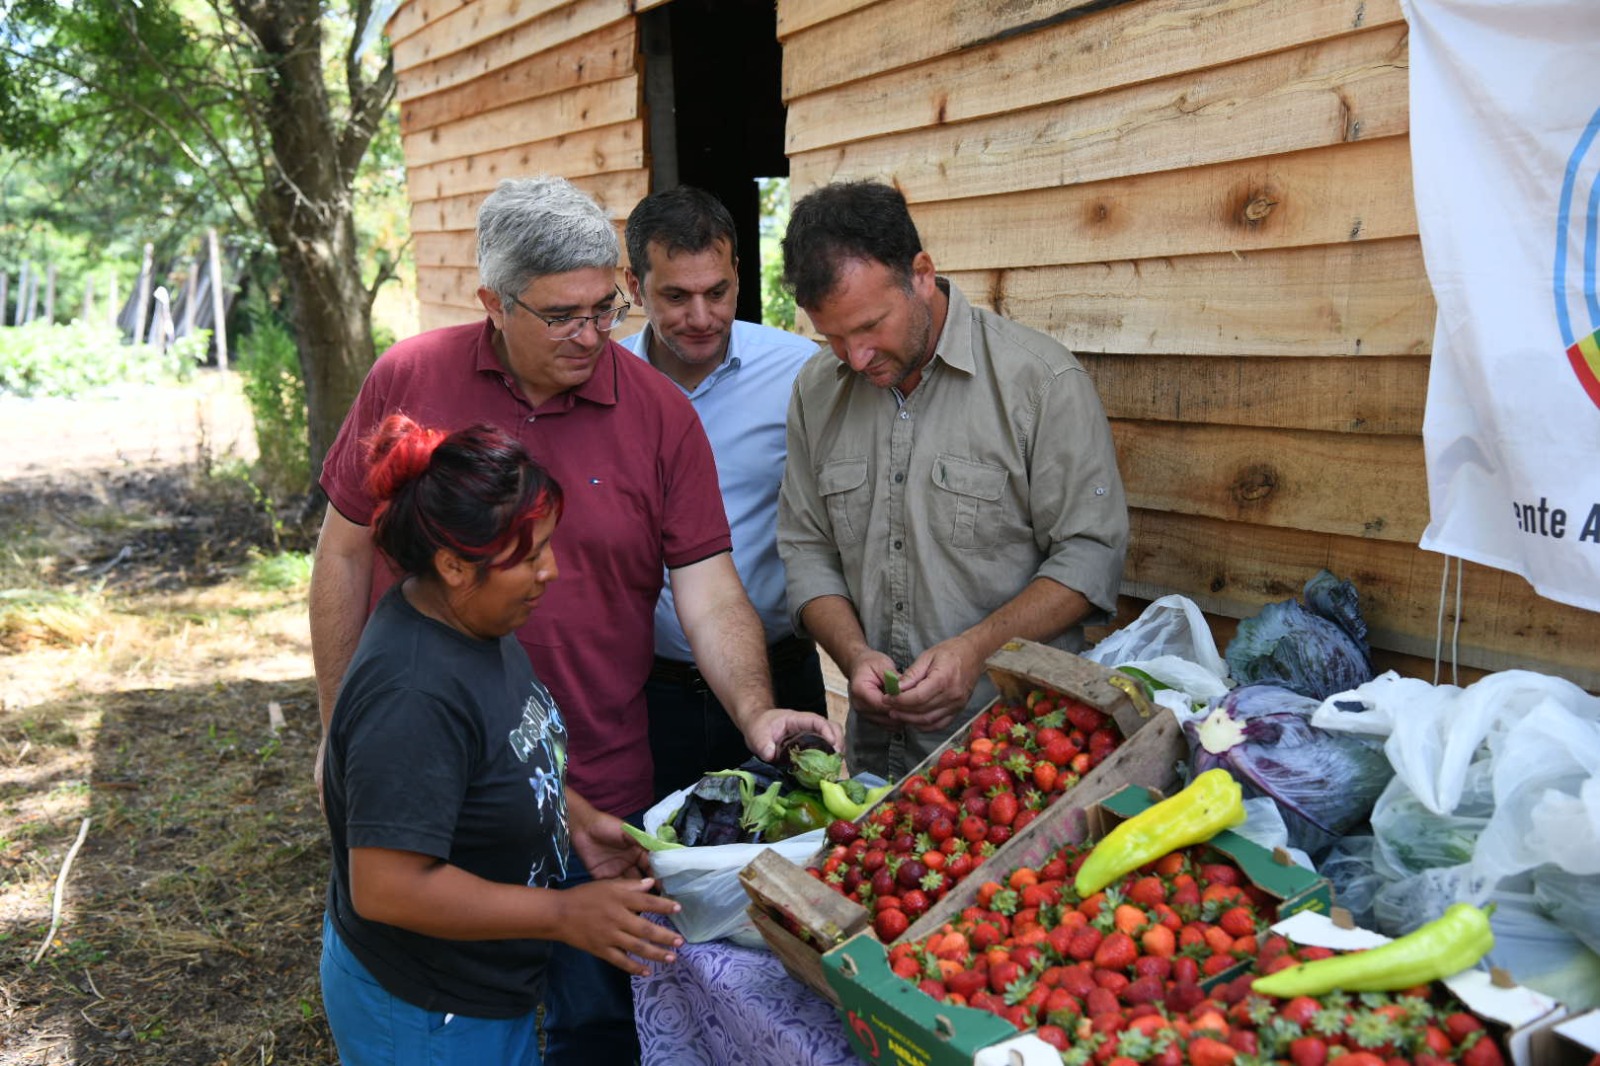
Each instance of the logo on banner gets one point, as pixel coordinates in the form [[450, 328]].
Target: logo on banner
[[1577, 247]]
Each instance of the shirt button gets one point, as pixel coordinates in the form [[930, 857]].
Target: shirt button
[[899, 478], [904, 415], [897, 545], [899, 605]]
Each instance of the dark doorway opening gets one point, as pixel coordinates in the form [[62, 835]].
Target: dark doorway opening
[[714, 92]]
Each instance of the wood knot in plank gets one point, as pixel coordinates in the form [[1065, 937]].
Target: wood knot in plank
[[1257, 208], [1254, 483]]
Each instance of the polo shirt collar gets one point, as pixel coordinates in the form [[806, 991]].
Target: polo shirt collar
[[601, 388]]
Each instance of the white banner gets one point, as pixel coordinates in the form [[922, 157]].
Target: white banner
[[1505, 111]]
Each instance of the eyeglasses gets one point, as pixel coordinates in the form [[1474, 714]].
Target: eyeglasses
[[566, 327]]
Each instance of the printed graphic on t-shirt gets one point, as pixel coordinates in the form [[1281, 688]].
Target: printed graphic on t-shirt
[[541, 742]]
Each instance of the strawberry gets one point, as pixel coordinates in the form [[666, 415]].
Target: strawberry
[[1482, 1051], [1002, 975], [890, 924], [1460, 1025], [1238, 921], [1183, 997], [1147, 892], [1085, 943], [974, 829], [1101, 1001], [1360, 1058], [1185, 970], [1308, 1051], [1003, 809], [1083, 717], [1053, 1035], [1044, 775], [999, 834], [1159, 942], [1146, 989], [1209, 1051], [914, 902], [966, 983]]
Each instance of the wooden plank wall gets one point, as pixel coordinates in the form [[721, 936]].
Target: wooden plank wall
[[491, 89], [1210, 201]]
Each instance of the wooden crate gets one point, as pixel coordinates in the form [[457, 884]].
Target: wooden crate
[[791, 896]]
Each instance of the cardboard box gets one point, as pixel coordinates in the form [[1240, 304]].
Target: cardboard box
[[1153, 745], [889, 1020]]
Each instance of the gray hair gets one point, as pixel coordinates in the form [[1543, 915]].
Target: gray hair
[[531, 227]]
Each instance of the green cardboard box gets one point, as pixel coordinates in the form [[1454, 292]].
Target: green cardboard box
[[890, 1021]]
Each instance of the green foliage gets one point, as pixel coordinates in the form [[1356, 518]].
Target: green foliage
[[777, 305], [44, 360], [269, 364], [280, 572]]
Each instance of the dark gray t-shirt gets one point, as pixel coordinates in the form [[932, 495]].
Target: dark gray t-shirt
[[448, 746]]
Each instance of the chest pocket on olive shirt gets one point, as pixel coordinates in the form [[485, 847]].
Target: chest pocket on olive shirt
[[966, 509], [843, 485]]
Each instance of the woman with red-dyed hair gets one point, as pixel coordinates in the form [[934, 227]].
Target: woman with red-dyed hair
[[444, 776]]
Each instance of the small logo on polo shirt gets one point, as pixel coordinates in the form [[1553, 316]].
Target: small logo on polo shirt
[[594, 481]]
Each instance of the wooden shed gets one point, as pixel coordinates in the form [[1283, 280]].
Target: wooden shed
[[1208, 200]]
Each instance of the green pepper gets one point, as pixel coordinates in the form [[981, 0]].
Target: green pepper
[[839, 804], [891, 683], [1212, 802], [805, 812], [648, 842], [1445, 946]]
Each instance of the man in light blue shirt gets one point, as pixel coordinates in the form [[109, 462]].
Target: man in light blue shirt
[[683, 254]]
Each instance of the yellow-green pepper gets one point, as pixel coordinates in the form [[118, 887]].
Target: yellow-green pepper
[[1445, 946], [1212, 802], [840, 805]]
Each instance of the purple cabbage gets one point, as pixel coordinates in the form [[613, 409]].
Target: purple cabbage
[[1323, 783], [1316, 650]]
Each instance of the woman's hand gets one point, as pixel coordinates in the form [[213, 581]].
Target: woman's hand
[[605, 918], [599, 840]]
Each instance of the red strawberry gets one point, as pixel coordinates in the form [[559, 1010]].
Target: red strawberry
[[1238, 921], [1308, 1051], [998, 834], [965, 983], [843, 832], [1300, 1010], [1482, 1052], [1084, 943], [914, 902], [1460, 1025], [974, 829], [1002, 974], [1003, 809], [1184, 997], [1146, 989], [1084, 717], [1116, 952], [1208, 1051], [1101, 1001], [890, 924]]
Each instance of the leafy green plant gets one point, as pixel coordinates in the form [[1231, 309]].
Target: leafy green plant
[[40, 359], [269, 365], [777, 305], [285, 570]]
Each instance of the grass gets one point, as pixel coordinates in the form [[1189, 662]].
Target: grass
[[134, 687]]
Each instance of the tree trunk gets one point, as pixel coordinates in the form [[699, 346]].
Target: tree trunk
[[308, 213]]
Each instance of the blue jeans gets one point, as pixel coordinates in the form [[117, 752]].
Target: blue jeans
[[371, 1027], [691, 733], [588, 1003]]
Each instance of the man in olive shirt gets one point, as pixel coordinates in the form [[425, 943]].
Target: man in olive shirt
[[951, 481]]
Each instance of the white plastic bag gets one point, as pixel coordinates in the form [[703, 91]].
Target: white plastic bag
[[1171, 642], [1546, 796], [705, 881]]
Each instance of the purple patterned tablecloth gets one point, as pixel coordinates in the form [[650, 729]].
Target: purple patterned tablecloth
[[722, 1003]]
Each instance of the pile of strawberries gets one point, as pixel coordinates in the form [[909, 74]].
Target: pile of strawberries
[[938, 826], [1117, 978]]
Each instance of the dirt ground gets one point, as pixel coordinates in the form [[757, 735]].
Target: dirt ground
[[155, 686]]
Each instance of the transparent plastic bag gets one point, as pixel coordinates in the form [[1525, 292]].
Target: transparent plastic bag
[[1172, 643], [1570, 900], [1410, 838], [1348, 866], [1541, 954], [705, 881], [1546, 795]]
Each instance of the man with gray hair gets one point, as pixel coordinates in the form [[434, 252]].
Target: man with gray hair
[[641, 497]]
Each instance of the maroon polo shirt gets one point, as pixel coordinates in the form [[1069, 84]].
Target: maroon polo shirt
[[641, 494]]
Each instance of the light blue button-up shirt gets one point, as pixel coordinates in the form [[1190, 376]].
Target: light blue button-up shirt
[[744, 405]]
